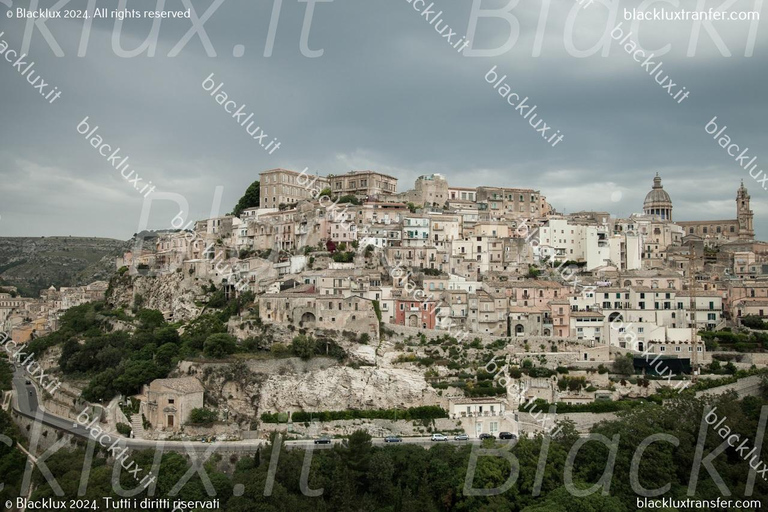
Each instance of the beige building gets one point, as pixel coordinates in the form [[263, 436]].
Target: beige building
[[429, 190], [281, 186], [658, 203], [513, 203], [167, 403], [367, 184]]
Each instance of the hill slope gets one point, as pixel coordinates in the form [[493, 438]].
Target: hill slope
[[32, 264]]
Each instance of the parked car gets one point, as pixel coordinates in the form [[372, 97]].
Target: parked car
[[393, 439], [28, 382], [507, 435], [323, 440], [461, 437], [487, 436], [439, 437]]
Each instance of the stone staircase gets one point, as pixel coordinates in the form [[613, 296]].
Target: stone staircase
[[137, 426]]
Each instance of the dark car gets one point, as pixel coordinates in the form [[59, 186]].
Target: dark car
[[28, 381], [393, 439], [507, 435], [487, 436], [323, 440]]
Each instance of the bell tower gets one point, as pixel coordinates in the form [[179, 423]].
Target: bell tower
[[745, 215]]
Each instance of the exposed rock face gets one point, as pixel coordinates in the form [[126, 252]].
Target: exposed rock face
[[173, 294], [339, 388]]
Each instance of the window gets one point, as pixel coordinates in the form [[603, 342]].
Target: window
[[171, 400], [662, 348]]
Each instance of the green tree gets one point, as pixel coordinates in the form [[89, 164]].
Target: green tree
[[250, 199], [165, 355], [303, 346], [202, 416], [349, 199], [624, 365], [150, 319], [219, 345], [560, 500]]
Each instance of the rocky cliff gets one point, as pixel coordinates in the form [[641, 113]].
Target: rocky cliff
[[172, 294], [339, 388]]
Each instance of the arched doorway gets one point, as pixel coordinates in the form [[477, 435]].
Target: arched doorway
[[413, 321], [307, 319], [519, 330]]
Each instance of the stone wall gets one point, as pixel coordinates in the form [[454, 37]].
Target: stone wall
[[583, 420], [376, 428]]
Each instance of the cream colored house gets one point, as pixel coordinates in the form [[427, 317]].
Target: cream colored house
[[169, 402]]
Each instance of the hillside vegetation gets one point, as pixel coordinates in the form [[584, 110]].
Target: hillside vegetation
[[32, 264]]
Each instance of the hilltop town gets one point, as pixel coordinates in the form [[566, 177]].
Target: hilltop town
[[340, 302]]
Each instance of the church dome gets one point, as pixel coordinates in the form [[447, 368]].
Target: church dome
[[657, 201]]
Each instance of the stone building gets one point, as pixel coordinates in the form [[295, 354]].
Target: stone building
[[364, 184], [429, 190], [167, 403], [658, 203], [314, 311], [282, 186]]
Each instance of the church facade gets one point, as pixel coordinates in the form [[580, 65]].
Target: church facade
[[658, 202]]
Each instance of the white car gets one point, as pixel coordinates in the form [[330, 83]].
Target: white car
[[439, 437]]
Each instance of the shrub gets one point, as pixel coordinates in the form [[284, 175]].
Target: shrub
[[624, 365], [124, 429], [202, 416], [219, 345], [303, 346], [754, 322]]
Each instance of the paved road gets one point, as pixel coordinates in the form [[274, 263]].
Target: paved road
[[28, 406]]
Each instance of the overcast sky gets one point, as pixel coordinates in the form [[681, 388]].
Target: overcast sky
[[388, 94]]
